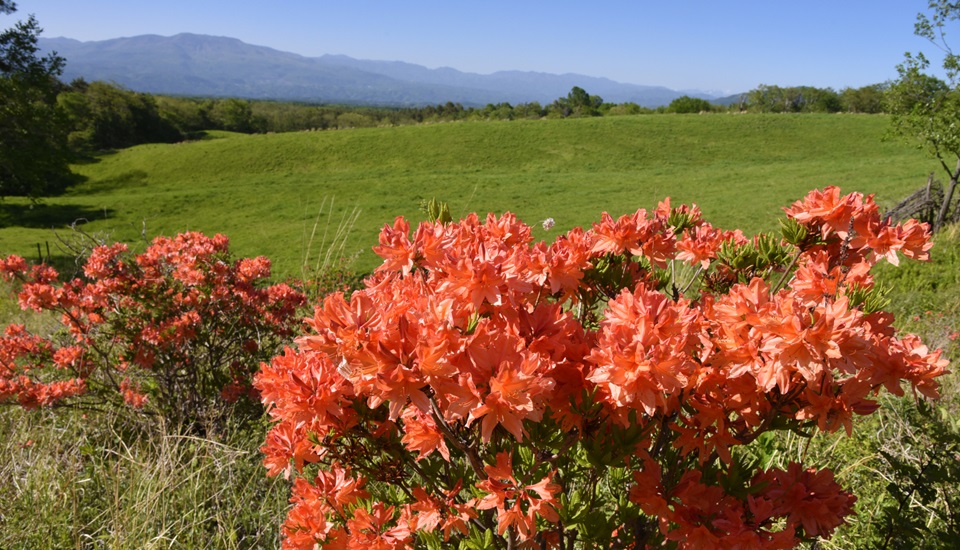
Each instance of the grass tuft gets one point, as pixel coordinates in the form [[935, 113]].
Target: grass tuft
[[72, 481]]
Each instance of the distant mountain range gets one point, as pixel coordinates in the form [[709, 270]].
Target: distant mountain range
[[200, 65]]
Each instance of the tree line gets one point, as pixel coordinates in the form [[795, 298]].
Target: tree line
[[101, 115]]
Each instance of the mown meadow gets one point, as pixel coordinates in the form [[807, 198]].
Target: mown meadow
[[102, 481]]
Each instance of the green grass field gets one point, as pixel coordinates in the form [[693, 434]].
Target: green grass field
[[265, 191]]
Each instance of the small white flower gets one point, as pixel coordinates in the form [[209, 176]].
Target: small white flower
[[548, 224]]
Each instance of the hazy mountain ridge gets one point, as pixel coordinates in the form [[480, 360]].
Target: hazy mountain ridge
[[200, 65]]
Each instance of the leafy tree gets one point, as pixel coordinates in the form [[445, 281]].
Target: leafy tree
[[794, 99], [236, 115], [7, 7], [926, 108], [499, 111], [528, 110], [866, 99], [823, 100], [354, 120], [34, 157], [577, 103], [687, 104], [104, 116], [628, 108], [578, 97], [582, 103]]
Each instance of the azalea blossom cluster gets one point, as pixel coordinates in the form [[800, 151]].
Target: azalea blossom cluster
[[178, 330], [491, 391]]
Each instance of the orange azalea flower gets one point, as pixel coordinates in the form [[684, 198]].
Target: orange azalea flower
[[915, 237], [337, 489], [699, 247], [132, 395], [515, 394], [616, 237], [827, 210], [510, 499], [830, 413], [421, 434], [432, 511], [429, 511], [545, 504], [921, 366], [304, 388], [369, 531], [645, 350], [648, 491], [650, 238], [286, 443], [809, 499], [306, 527], [395, 247], [567, 259]]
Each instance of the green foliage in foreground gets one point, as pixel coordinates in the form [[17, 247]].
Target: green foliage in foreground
[[265, 191]]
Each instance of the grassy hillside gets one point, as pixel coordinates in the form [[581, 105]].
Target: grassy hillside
[[264, 191]]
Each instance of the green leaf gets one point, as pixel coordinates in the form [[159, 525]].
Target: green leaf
[[488, 539], [430, 540], [793, 231], [869, 300], [439, 211], [526, 456], [479, 541], [680, 221]]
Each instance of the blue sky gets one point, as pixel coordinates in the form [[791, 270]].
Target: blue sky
[[728, 47]]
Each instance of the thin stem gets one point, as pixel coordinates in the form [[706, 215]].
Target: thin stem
[[786, 272], [471, 454], [569, 442], [692, 280], [511, 538], [775, 406]]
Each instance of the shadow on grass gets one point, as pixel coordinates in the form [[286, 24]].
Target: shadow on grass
[[91, 158], [47, 216], [125, 180]]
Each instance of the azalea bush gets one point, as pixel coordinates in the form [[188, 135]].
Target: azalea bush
[[176, 331], [615, 388]]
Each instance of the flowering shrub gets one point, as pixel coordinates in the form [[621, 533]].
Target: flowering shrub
[[486, 391], [178, 330]]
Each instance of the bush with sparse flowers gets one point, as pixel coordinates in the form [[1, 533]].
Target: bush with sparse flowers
[[176, 331]]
